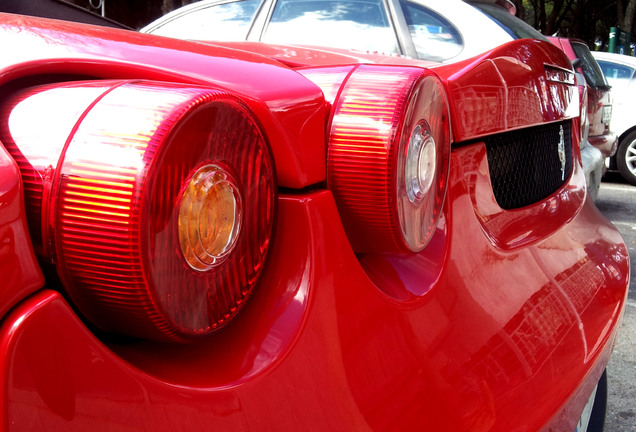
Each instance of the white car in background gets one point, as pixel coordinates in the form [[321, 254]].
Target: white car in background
[[441, 31], [620, 72]]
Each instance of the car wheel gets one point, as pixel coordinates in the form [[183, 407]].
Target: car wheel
[[626, 157], [593, 416]]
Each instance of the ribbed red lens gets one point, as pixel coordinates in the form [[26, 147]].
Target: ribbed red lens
[[389, 195], [37, 149], [128, 182]]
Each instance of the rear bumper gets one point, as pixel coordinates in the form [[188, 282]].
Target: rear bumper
[[487, 328], [607, 144], [592, 160]]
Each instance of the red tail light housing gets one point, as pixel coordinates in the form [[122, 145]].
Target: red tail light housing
[[156, 203], [389, 156], [584, 120]]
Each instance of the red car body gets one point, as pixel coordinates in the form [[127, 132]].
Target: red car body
[[504, 321]]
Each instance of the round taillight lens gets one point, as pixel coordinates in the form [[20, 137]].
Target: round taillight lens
[[210, 217], [423, 165], [160, 209], [420, 163], [388, 157]]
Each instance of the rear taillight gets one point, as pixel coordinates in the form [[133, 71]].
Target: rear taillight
[[155, 202], [388, 157]]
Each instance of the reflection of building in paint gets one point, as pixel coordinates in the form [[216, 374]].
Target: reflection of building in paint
[[538, 328], [478, 104], [581, 283]]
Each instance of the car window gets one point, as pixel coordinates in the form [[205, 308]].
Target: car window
[[358, 24], [618, 76], [433, 36], [227, 21], [591, 69], [515, 27]]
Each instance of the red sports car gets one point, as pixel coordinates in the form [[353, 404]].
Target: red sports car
[[258, 237]]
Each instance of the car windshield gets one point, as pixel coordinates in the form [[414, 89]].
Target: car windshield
[[358, 24], [618, 76], [512, 25], [591, 70], [434, 37]]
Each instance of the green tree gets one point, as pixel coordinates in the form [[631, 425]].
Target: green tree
[[589, 20], [626, 11]]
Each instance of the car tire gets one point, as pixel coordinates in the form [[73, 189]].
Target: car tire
[[599, 409], [626, 157]]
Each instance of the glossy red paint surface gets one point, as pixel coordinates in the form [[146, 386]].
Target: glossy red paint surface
[[496, 91], [19, 271], [320, 347], [507, 88], [298, 56], [271, 90], [504, 322]]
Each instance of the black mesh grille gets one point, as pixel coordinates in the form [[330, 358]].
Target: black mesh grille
[[525, 166]]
